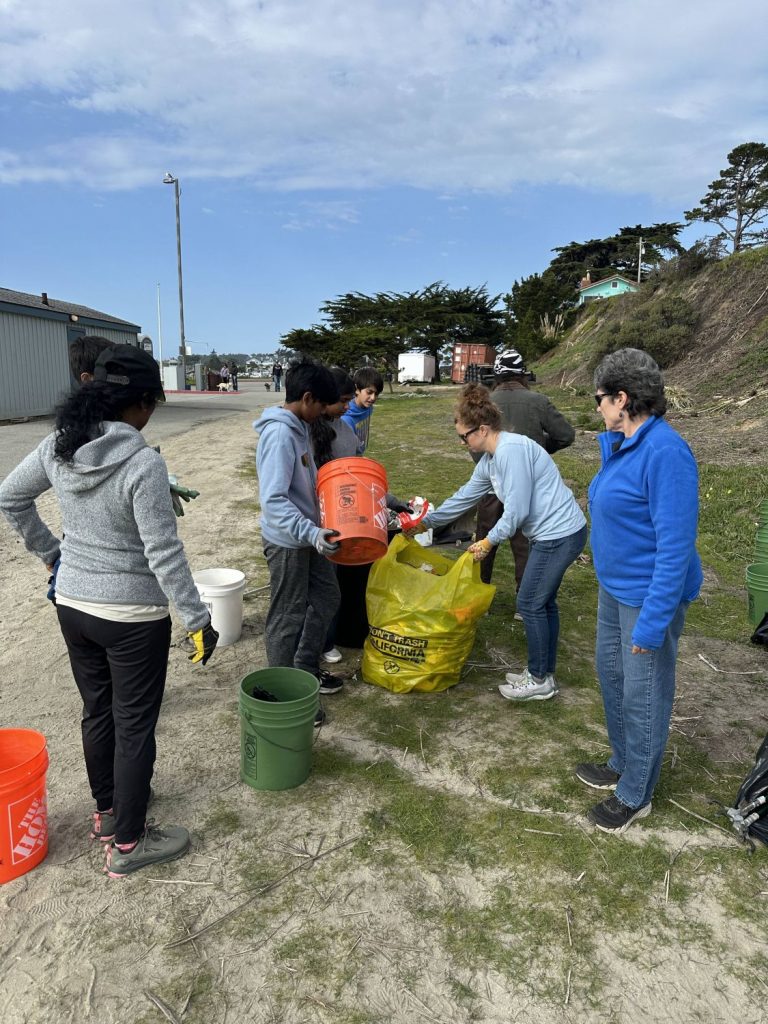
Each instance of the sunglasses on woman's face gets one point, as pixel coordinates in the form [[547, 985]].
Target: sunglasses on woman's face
[[463, 437], [599, 398]]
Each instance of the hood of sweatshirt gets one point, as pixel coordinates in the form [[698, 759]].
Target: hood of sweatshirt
[[97, 460], [277, 414]]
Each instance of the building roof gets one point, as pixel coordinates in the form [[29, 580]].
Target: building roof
[[14, 298], [604, 280]]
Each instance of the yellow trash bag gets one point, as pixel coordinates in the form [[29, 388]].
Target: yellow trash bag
[[422, 612]]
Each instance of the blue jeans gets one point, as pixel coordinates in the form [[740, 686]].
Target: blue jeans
[[537, 597], [638, 690]]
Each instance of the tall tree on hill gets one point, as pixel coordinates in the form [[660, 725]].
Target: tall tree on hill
[[737, 201], [617, 254], [527, 302]]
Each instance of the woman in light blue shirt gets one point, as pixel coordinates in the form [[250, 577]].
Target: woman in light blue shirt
[[527, 482]]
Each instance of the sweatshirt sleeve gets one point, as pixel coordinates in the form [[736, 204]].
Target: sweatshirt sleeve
[[275, 462], [673, 500], [156, 523], [478, 485], [514, 468], [560, 433], [17, 503]]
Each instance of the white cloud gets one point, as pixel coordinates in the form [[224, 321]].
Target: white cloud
[[424, 93]]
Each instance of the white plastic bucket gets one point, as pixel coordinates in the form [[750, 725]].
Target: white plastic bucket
[[222, 592]]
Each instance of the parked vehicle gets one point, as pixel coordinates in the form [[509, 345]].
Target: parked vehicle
[[415, 368]]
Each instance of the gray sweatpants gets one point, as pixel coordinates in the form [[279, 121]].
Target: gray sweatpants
[[304, 596]]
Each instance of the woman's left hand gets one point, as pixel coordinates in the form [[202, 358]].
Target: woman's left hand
[[480, 549], [640, 650]]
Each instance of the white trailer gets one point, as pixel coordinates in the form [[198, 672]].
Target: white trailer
[[415, 368]]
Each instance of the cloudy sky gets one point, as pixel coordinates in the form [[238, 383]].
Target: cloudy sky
[[326, 146]]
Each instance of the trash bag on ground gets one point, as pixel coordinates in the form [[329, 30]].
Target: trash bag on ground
[[760, 636], [749, 814], [423, 610]]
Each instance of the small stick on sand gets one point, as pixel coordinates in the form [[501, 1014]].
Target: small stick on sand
[[541, 832], [700, 818], [568, 988], [568, 918], [89, 994], [162, 1006]]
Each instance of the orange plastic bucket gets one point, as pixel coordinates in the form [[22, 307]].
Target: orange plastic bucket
[[23, 808], [352, 495]]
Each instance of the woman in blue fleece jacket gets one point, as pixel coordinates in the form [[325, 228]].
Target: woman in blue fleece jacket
[[644, 509]]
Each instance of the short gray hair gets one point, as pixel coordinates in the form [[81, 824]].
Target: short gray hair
[[633, 371]]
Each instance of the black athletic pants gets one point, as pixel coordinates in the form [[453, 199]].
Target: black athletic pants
[[120, 669]]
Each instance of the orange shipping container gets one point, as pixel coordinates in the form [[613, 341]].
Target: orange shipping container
[[465, 353]]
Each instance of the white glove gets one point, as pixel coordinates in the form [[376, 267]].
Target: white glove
[[324, 545]]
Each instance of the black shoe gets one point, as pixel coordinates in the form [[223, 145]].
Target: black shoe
[[320, 717], [329, 683], [613, 816], [598, 776]]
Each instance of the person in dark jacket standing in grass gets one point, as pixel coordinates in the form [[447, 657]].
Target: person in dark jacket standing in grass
[[522, 412], [121, 562], [644, 505]]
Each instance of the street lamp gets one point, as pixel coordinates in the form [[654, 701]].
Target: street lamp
[[170, 180]]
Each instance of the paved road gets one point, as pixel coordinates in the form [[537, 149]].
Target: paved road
[[180, 413]]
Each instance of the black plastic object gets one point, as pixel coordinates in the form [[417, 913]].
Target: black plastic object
[[760, 636], [259, 693]]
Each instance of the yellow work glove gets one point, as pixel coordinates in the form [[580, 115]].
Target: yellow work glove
[[480, 549], [204, 640]]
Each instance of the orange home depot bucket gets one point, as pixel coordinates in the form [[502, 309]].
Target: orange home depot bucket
[[352, 495], [23, 811]]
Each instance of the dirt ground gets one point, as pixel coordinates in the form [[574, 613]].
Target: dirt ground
[[76, 946]]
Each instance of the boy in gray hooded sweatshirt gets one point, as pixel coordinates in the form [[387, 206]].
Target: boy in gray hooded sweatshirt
[[304, 592]]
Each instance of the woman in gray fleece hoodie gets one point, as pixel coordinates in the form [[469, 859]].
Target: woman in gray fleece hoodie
[[119, 562]]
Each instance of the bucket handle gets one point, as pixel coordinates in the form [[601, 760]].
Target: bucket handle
[[362, 483], [279, 746]]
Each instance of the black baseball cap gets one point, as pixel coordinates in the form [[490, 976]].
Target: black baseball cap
[[129, 367]]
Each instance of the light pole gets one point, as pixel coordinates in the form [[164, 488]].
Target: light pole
[[170, 180]]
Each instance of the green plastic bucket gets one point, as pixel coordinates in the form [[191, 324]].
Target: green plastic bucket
[[757, 590], [276, 738]]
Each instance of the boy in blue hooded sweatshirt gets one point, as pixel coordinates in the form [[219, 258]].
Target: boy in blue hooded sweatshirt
[[368, 386], [304, 594]]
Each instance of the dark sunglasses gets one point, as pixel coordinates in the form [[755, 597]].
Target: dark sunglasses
[[463, 437], [599, 398]]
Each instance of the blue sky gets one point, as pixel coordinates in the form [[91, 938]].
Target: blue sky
[[324, 146]]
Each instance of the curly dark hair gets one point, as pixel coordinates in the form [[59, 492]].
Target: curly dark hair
[[475, 408], [321, 430], [80, 418], [637, 374]]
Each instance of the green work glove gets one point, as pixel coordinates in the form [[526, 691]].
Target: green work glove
[[179, 493], [205, 640]]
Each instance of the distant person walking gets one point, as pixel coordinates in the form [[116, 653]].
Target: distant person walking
[[277, 374]]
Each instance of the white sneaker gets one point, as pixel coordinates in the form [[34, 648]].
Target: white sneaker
[[525, 687], [332, 656]]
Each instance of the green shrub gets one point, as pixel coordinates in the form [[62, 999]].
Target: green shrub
[[663, 328]]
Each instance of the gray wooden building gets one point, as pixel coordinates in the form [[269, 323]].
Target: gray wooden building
[[35, 335]]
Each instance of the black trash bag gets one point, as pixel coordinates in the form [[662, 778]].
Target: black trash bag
[[749, 814], [760, 636]]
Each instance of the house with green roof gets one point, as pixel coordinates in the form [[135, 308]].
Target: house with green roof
[[608, 288]]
